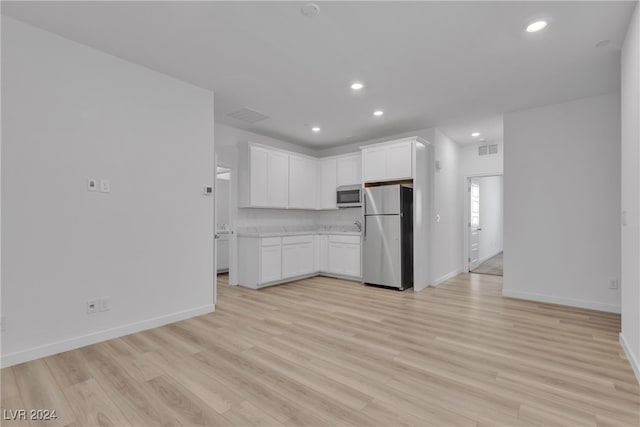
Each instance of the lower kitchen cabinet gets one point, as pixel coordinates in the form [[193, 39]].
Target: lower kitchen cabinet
[[222, 253], [266, 261], [297, 256], [260, 261], [270, 260], [344, 255]]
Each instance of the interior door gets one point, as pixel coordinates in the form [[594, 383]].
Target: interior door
[[474, 224]]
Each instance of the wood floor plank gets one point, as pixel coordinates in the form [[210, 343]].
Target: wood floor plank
[[327, 352]]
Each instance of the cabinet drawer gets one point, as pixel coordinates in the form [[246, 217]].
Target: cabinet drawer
[[336, 238], [270, 241], [293, 240]]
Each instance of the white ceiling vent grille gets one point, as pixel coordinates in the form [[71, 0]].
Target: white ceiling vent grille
[[486, 150], [248, 116]]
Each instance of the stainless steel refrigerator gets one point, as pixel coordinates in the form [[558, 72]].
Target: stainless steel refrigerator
[[388, 236]]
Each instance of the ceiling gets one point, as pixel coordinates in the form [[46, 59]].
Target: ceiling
[[455, 65]]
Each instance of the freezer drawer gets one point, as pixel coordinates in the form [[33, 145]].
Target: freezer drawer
[[382, 251]]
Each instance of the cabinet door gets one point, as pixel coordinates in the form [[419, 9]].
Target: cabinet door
[[305, 258], [328, 184], [351, 260], [374, 164], [336, 260], [278, 179], [290, 265], [270, 263], [399, 161], [302, 182], [259, 160], [349, 170], [323, 257]]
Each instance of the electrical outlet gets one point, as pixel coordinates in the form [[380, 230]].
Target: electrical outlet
[[3, 323], [104, 304], [92, 185], [207, 190], [613, 283], [92, 306], [105, 186]]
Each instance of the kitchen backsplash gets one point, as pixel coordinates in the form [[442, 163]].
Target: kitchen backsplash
[[293, 218]]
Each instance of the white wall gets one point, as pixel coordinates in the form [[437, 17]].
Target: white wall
[[561, 200], [71, 112], [630, 283], [446, 246], [229, 136], [222, 201], [491, 216], [471, 164]]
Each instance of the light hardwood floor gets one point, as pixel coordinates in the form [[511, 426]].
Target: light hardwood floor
[[326, 352]]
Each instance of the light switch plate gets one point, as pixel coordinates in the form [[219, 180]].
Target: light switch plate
[[104, 304], [207, 190], [105, 186], [92, 306]]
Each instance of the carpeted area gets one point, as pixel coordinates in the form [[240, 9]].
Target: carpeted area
[[491, 266]]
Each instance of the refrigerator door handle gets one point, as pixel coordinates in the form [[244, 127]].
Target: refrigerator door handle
[[364, 234]]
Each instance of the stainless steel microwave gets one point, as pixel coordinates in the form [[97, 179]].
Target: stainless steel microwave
[[349, 196]]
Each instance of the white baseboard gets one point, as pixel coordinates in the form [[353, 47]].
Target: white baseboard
[[481, 260], [440, 280], [593, 305], [95, 337], [633, 361]]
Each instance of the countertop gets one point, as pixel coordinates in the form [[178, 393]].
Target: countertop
[[297, 231]]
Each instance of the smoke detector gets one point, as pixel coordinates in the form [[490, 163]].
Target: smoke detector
[[310, 10]]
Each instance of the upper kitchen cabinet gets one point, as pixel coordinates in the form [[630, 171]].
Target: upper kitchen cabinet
[[389, 161], [263, 177], [349, 169], [274, 178], [303, 178], [327, 183]]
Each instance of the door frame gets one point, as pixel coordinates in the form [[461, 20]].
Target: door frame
[[467, 213], [232, 221]]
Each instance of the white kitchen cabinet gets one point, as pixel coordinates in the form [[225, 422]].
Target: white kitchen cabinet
[[323, 253], [259, 167], [222, 253], [327, 183], [260, 261], [344, 255], [278, 179], [270, 259], [303, 176], [349, 169], [298, 257], [388, 162], [264, 178]]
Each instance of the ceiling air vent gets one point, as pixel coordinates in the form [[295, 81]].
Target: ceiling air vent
[[485, 150], [248, 116]]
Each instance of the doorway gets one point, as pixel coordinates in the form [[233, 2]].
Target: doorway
[[484, 224], [223, 223]]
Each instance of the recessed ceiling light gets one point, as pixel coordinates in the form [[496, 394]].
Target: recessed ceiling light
[[475, 134], [310, 10], [357, 86], [378, 113], [315, 129], [536, 26]]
